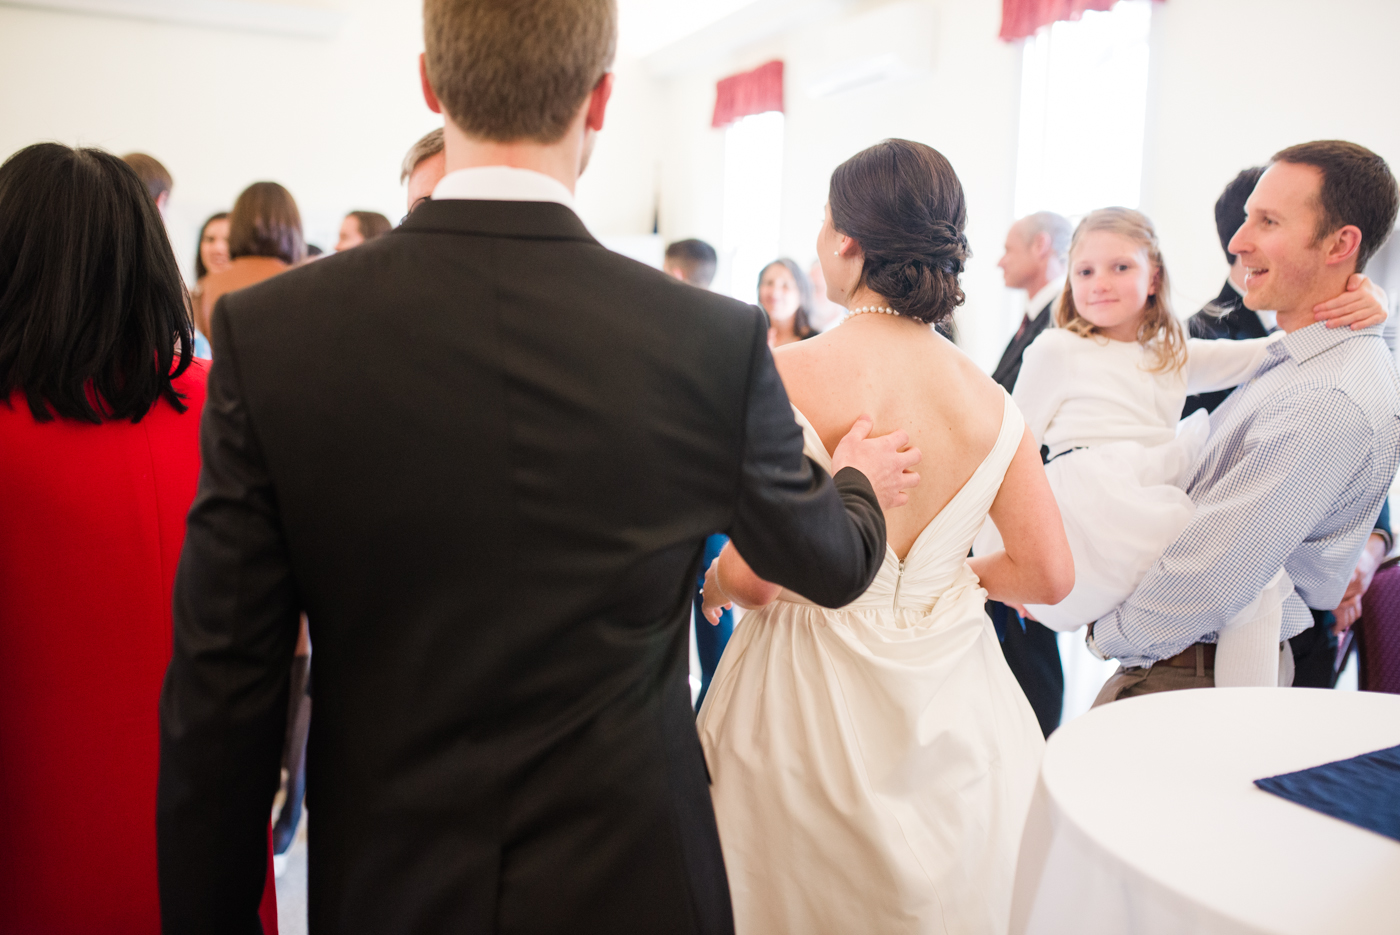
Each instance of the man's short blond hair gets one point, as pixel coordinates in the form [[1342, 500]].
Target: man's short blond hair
[[426, 148], [508, 70]]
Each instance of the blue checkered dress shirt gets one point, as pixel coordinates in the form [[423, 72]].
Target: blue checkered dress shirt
[[1299, 462]]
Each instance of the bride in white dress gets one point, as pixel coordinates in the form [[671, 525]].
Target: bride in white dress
[[872, 766]]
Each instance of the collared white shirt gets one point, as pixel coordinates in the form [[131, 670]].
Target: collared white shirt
[[502, 183], [1266, 318], [1051, 290]]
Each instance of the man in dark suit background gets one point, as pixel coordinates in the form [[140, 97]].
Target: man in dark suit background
[[1226, 317], [490, 496], [1034, 260]]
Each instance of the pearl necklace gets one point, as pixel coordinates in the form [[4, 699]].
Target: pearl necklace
[[868, 309]]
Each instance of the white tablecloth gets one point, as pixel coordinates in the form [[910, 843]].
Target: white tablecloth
[[1146, 820]]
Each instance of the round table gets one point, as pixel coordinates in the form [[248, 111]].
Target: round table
[[1146, 820]]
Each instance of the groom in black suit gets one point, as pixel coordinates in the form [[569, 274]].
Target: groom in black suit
[[489, 490]]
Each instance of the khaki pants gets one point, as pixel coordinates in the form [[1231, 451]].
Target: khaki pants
[[1128, 682]]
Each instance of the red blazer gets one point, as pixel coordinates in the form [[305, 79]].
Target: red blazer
[[92, 519]]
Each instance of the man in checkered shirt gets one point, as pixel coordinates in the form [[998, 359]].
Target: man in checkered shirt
[[1300, 457]]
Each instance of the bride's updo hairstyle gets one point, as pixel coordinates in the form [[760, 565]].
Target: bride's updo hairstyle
[[903, 203]]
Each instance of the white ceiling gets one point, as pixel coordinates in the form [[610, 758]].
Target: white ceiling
[[645, 26]]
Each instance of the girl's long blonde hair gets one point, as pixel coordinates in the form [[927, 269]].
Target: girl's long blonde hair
[[1160, 331]]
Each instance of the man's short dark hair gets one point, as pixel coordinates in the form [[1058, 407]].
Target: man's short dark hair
[[696, 258], [155, 176], [1229, 207], [1357, 189]]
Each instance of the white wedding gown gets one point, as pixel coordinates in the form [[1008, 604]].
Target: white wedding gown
[[872, 766]]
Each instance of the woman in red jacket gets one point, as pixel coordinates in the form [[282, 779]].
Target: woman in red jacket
[[100, 401]]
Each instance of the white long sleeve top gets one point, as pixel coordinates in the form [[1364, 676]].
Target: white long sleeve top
[[1083, 391]]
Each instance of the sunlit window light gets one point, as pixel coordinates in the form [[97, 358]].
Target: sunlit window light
[[753, 179], [1084, 112]]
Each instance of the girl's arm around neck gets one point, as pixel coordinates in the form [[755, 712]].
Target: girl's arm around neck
[[1036, 566]]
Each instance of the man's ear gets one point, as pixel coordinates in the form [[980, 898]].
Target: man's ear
[[1040, 246], [598, 102], [1343, 245], [429, 96]]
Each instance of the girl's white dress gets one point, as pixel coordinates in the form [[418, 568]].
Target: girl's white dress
[[1119, 459], [872, 766]]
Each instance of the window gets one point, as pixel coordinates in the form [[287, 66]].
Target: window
[[753, 185], [1083, 113]]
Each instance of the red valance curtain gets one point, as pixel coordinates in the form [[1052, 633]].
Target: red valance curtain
[[1021, 18], [749, 92]]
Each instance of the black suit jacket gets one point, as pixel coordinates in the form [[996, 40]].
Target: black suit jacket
[[1236, 324], [483, 454], [1009, 368]]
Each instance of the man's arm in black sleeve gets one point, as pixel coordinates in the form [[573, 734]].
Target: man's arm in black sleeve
[[223, 708], [793, 525]]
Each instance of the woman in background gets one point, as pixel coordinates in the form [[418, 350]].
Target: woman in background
[[264, 239], [785, 294], [210, 257], [99, 431], [213, 247], [360, 226]]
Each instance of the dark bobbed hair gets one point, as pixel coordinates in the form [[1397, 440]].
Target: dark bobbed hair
[[802, 320], [903, 203], [372, 224], [200, 270], [1357, 188], [697, 258], [265, 222], [1229, 207], [93, 317]]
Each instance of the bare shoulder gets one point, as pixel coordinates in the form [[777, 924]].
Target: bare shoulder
[[796, 361]]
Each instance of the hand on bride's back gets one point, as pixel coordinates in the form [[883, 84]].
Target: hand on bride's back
[[885, 461]]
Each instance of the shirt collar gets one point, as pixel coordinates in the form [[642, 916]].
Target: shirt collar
[[1306, 343], [502, 183], [1048, 292]]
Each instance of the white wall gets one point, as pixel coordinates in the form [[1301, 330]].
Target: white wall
[[329, 118], [964, 106], [1233, 83]]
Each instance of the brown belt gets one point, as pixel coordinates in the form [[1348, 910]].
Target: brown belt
[[1187, 659]]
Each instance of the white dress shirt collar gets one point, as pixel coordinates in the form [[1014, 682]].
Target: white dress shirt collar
[[1051, 290], [502, 183]]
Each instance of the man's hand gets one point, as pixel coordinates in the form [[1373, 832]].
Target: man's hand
[[1362, 305], [881, 460], [1349, 610]]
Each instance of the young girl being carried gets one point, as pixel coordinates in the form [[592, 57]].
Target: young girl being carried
[[1103, 393]]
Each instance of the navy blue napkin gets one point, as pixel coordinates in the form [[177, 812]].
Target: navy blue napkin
[[1364, 790]]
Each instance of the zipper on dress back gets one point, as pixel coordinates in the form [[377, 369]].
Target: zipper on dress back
[[897, 582]]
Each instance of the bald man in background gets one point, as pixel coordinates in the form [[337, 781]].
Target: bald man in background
[[1034, 259]]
